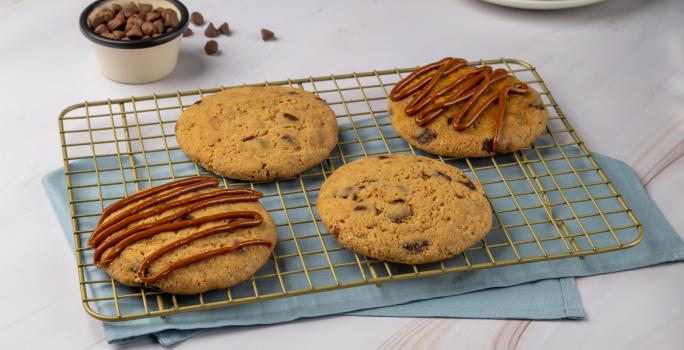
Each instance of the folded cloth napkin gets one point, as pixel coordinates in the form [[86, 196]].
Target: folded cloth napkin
[[543, 299]]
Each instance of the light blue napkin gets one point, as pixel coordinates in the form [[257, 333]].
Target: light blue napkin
[[543, 299]]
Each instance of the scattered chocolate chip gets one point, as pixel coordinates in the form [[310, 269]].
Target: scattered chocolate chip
[[170, 18], [266, 34], [487, 146], [467, 183], [197, 102], [211, 31], [224, 29], [537, 105], [426, 136], [383, 157], [290, 117], [397, 212], [439, 173], [211, 47], [197, 19], [360, 207], [187, 32], [416, 246]]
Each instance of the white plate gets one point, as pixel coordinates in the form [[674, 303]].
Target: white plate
[[543, 4]]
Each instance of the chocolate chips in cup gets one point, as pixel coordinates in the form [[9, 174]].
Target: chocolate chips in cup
[[133, 21]]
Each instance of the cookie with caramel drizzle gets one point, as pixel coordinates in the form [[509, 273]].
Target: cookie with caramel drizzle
[[184, 237], [453, 109]]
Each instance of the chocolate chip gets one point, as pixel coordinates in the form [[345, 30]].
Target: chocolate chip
[[115, 7], [426, 136], [439, 173], [252, 137], [383, 157], [144, 8], [211, 47], [147, 28], [101, 17], [345, 193], [266, 34], [119, 34], [290, 117], [130, 9], [211, 31], [224, 29], [197, 102], [487, 146], [292, 140], [397, 212], [467, 183], [118, 21], [152, 16], [187, 32], [170, 18], [360, 207], [537, 105], [335, 231], [416, 246], [109, 35], [134, 33], [102, 28], [158, 26], [197, 18]]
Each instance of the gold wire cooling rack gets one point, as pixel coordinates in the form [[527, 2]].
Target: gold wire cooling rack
[[550, 200]]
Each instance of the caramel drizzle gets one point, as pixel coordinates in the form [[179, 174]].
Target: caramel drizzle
[[114, 234], [429, 103]]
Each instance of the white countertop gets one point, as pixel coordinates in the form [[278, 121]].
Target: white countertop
[[615, 69]]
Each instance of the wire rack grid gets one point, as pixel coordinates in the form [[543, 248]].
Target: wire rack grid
[[550, 200]]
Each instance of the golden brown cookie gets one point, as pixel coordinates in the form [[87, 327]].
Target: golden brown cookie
[[404, 208], [452, 109], [184, 237], [258, 133]]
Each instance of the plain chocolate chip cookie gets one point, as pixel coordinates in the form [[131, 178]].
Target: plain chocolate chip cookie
[[404, 208], [258, 133]]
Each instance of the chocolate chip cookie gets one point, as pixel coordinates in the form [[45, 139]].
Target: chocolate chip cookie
[[184, 237], [258, 133], [452, 109], [404, 208]]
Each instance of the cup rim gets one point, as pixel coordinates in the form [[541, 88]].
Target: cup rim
[[133, 44]]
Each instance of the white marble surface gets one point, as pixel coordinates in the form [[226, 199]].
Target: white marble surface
[[614, 67]]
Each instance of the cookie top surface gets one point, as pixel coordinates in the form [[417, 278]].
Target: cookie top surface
[[258, 133], [186, 237], [404, 208], [524, 118]]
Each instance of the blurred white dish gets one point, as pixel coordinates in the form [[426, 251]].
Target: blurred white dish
[[543, 4]]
